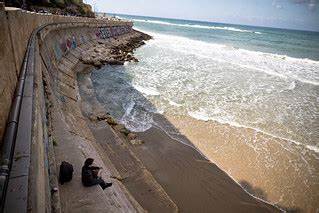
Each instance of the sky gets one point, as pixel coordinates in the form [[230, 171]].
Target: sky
[[291, 14]]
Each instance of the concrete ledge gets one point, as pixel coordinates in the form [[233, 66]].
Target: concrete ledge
[[29, 115]]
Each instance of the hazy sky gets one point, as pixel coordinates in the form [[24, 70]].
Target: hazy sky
[[295, 14]]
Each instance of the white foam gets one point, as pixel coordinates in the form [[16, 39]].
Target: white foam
[[197, 26], [301, 69], [292, 85], [313, 148], [199, 115], [202, 116], [129, 109], [174, 103], [146, 90], [184, 69]]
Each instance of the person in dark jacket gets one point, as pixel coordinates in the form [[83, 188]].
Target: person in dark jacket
[[90, 175]]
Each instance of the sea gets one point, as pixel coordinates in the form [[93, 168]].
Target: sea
[[257, 78]]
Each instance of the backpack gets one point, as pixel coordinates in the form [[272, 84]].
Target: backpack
[[66, 172]]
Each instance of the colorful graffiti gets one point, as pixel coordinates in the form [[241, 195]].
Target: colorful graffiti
[[108, 32], [63, 45]]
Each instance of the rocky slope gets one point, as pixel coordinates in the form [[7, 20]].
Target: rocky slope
[[114, 53]]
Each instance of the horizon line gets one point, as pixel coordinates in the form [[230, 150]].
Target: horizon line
[[199, 20]]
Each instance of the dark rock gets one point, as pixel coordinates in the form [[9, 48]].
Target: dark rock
[[115, 62], [111, 121], [131, 136]]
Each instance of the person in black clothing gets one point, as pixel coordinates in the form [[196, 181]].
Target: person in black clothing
[[90, 175]]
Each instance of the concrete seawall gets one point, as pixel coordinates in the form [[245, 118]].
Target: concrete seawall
[[33, 51], [16, 27]]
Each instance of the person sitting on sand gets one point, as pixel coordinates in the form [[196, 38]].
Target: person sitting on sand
[[90, 175]]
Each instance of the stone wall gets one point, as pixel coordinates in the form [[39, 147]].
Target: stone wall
[[16, 27]]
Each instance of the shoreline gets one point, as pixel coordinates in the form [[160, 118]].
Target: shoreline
[[198, 160], [208, 137], [149, 154], [231, 195], [209, 161], [248, 188]]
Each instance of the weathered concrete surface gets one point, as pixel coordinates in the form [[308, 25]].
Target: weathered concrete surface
[[60, 50], [133, 174], [74, 143], [8, 75], [16, 27], [53, 63]]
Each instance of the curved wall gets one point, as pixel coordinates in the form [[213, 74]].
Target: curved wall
[[16, 27], [27, 148]]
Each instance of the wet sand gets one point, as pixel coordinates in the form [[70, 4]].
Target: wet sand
[[194, 183], [270, 168]]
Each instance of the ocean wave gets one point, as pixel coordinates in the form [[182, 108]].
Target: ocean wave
[[190, 65], [202, 116], [134, 122], [300, 69], [197, 26]]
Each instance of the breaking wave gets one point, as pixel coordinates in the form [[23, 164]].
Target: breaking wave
[[300, 69], [197, 26]]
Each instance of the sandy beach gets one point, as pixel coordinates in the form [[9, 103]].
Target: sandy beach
[[260, 163], [193, 182]]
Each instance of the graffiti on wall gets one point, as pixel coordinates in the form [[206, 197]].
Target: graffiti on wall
[[108, 32], [63, 45]]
